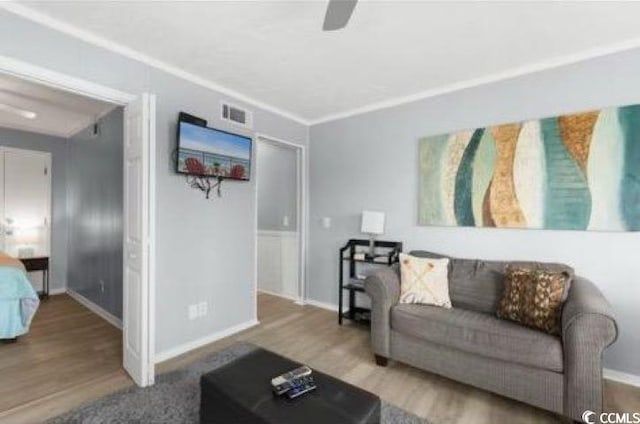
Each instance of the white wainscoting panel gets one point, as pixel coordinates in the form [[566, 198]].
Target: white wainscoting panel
[[278, 263]]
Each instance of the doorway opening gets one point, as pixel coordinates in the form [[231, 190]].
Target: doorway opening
[[98, 229], [281, 211]]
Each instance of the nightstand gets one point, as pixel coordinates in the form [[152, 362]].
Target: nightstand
[[39, 263]]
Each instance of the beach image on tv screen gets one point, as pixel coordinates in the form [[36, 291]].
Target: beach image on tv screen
[[205, 151]]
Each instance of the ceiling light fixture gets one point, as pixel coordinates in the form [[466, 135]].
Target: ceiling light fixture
[[17, 111]]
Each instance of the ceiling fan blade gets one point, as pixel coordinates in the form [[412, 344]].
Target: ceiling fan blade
[[338, 14]]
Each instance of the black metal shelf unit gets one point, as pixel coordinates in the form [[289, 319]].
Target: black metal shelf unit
[[350, 254]]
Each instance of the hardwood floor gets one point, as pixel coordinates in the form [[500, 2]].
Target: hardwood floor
[[69, 353], [304, 333]]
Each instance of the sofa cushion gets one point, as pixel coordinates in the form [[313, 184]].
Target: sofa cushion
[[479, 333], [477, 284], [424, 281], [533, 298]]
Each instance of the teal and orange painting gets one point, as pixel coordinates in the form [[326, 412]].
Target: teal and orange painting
[[571, 172]]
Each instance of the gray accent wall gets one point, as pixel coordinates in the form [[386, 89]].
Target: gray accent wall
[[59, 222], [205, 249], [94, 202], [277, 186], [370, 161]]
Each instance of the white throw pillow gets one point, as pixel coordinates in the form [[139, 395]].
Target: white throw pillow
[[424, 280]]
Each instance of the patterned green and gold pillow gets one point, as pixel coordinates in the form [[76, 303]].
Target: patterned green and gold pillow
[[424, 280], [534, 298]]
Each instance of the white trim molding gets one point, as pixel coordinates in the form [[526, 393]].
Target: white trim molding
[[324, 305], [91, 38], [96, 309], [57, 291], [189, 346], [282, 295], [60, 81], [621, 377]]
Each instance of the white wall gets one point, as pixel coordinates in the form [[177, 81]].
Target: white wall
[[205, 248], [370, 161]]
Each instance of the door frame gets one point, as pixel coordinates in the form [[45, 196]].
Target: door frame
[[302, 214], [65, 82]]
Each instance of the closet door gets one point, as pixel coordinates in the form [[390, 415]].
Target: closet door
[[27, 202]]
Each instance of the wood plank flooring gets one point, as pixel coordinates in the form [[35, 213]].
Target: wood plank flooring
[[69, 354], [306, 334]]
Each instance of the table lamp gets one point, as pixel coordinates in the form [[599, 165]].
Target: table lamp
[[26, 240], [372, 224]]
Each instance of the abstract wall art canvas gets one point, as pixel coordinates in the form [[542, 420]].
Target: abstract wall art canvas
[[571, 172]]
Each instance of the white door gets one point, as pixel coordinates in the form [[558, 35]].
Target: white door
[[136, 291], [25, 194]]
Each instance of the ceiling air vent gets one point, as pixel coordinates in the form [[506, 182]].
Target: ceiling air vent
[[236, 115]]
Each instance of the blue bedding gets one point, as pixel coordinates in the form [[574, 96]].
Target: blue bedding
[[18, 302]]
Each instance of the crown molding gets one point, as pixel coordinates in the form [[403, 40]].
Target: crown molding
[[91, 38], [543, 65], [520, 71]]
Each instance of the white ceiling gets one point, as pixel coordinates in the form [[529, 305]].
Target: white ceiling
[[276, 53], [58, 113]]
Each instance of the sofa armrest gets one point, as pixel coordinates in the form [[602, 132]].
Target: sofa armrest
[[383, 287], [588, 327]]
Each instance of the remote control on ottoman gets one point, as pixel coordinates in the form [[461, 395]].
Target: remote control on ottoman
[[300, 386], [285, 382]]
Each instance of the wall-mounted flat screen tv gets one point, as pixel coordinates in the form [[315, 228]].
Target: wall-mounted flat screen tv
[[208, 152]]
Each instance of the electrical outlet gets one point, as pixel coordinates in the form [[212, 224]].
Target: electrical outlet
[[193, 312], [202, 309], [326, 222], [285, 221], [102, 286]]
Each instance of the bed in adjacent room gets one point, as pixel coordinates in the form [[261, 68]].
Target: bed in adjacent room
[[18, 300]]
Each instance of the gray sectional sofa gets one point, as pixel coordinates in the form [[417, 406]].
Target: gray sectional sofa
[[469, 344]]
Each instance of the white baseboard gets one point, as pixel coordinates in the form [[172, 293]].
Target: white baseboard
[[323, 305], [96, 309], [621, 377], [282, 295], [186, 347], [59, 290]]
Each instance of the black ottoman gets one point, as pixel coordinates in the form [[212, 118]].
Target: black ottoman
[[240, 393]]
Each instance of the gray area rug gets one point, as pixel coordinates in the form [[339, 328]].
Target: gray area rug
[[175, 398]]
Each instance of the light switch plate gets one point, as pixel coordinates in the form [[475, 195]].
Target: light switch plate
[[326, 222]]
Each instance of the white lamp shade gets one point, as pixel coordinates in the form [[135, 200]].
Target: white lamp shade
[[372, 222]]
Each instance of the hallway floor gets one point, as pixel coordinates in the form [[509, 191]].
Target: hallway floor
[[67, 348]]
